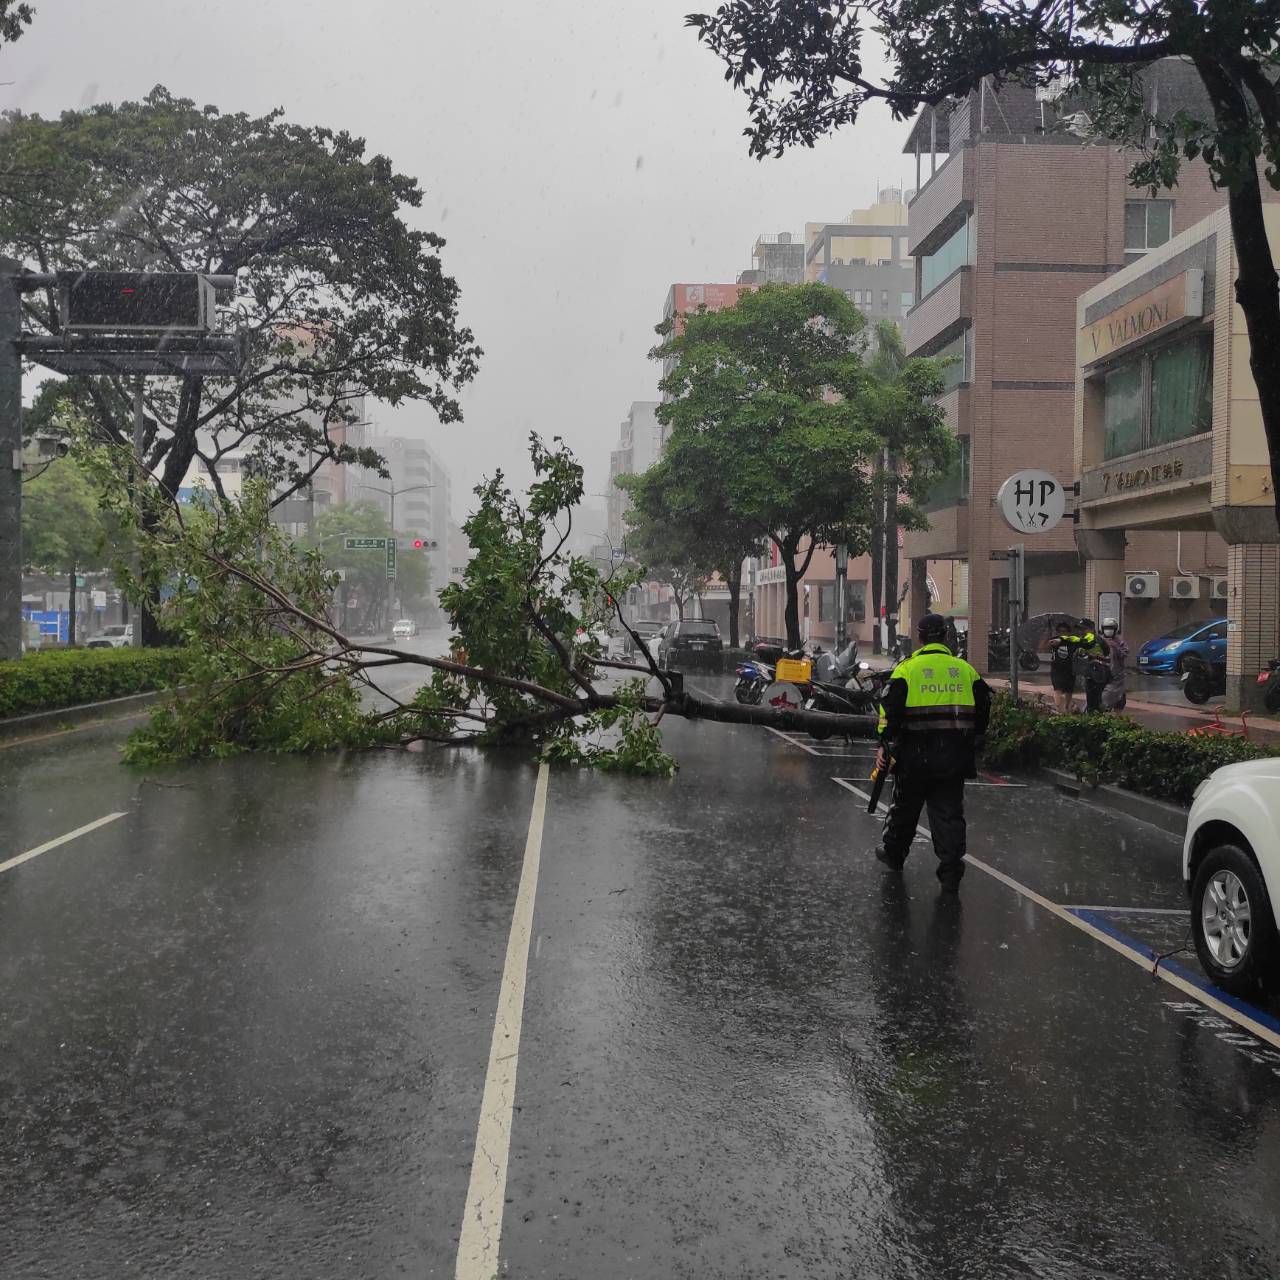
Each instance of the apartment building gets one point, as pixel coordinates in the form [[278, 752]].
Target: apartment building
[[775, 259], [639, 447], [1014, 223], [866, 257]]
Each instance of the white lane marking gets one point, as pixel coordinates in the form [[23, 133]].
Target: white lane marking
[[481, 1233], [804, 746], [53, 844], [1130, 911], [1120, 948]]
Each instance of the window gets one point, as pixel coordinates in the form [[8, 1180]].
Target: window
[[855, 601], [1217, 632], [1146, 226], [1122, 411], [952, 486], [954, 252], [1158, 397], [957, 358], [884, 297], [1181, 391], [908, 299]]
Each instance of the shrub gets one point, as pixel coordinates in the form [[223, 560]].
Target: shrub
[[47, 681], [1104, 748]]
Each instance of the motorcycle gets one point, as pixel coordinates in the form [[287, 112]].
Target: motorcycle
[[756, 674], [843, 685], [1271, 678], [1203, 680], [998, 653]]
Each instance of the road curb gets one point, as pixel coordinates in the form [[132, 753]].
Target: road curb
[[1159, 813], [111, 709]]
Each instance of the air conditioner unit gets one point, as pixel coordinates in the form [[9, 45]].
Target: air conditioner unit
[[1141, 586], [1184, 586], [1219, 591]]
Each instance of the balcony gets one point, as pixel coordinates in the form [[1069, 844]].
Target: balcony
[[943, 309], [952, 185]]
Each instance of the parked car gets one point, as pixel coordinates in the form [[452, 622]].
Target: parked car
[[649, 630], [1164, 655], [119, 636], [692, 641], [1231, 867], [405, 629]]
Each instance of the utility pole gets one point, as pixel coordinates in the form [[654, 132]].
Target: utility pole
[[842, 570], [139, 479], [10, 464]]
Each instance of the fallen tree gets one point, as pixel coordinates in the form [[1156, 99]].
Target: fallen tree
[[271, 670]]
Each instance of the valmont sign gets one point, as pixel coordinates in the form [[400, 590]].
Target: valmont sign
[[1181, 298]]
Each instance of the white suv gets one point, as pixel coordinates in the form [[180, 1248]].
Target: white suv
[[404, 629], [1231, 866], [119, 636]]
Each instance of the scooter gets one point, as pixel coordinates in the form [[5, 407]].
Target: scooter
[[756, 674], [1270, 677], [1203, 680], [843, 685], [998, 653]]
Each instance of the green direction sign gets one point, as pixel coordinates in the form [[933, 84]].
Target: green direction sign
[[80, 580], [391, 559], [364, 544]]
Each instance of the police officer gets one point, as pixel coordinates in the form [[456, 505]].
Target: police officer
[[935, 708]]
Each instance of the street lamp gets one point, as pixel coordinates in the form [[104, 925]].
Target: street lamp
[[842, 570], [391, 493]]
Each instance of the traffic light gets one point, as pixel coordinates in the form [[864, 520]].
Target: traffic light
[[421, 544]]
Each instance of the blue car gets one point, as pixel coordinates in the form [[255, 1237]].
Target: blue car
[[1163, 656]]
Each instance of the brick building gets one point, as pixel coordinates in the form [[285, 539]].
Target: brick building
[[1006, 233]]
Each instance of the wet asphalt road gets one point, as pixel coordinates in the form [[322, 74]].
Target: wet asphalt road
[[246, 1028]]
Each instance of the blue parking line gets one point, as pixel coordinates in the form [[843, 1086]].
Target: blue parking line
[[1196, 979]]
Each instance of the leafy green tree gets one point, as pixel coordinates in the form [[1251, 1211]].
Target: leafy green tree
[[338, 297], [64, 527], [365, 572], [661, 540], [679, 515], [14, 15], [801, 64], [773, 400]]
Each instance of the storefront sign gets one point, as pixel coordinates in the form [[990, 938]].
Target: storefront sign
[[1167, 304], [1032, 501], [1122, 480]]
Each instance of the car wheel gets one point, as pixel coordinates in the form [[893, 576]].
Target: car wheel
[[1232, 921]]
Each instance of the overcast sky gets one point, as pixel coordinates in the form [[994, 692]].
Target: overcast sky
[[578, 159]]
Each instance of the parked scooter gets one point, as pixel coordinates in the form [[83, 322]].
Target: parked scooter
[[843, 685], [756, 674], [1270, 677], [998, 653], [1203, 680]]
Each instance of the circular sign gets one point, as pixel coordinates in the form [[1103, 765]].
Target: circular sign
[[1032, 501]]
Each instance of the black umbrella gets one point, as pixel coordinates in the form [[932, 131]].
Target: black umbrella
[[1040, 627]]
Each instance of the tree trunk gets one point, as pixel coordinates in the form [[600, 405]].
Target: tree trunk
[[734, 581], [792, 612], [891, 553], [1256, 286], [71, 606]]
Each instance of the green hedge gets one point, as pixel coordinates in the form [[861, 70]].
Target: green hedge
[[55, 678], [1108, 748]]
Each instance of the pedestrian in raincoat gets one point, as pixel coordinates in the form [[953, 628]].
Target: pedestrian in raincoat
[[1113, 693]]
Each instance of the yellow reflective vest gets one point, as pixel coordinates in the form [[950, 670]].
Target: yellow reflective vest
[[939, 690]]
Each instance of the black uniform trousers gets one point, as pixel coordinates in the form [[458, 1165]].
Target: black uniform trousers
[[943, 795]]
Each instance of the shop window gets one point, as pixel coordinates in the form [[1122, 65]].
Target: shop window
[[1122, 410], [1158, 397], [1181, 391], [954, 252], [855, 601], [1147, 225]]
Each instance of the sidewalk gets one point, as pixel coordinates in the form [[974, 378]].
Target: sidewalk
[[1165, 716]]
